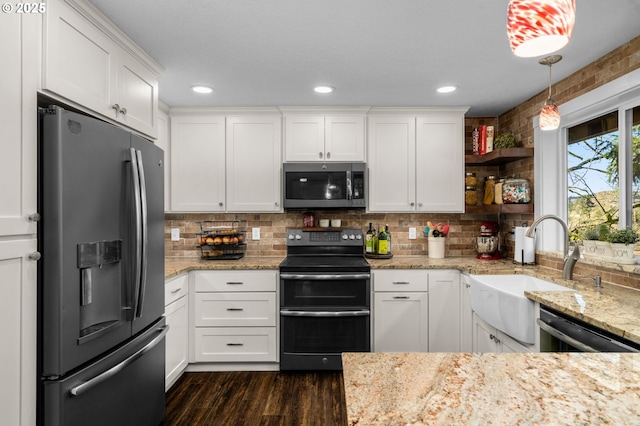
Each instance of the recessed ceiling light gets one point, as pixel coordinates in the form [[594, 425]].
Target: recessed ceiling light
[[202, 89], [323, 89], [446, 89]]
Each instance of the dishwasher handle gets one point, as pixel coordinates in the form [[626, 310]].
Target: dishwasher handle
[[564, 338]]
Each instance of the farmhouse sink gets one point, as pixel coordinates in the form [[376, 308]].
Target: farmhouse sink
[[500, 301]]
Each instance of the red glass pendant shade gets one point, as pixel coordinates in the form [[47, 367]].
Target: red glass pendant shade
[[549, 116], [539, 27]]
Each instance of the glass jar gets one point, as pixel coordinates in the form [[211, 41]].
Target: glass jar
[[470, 195], [470, 179], [516, 191], [489, 190], [498, 192]]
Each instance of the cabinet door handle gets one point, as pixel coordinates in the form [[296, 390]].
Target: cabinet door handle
[[176, 290], [34, 217], [35, 255], [235, 309], [401, 282], [235, 282], [400, 297], [123, 111], [235, 344]]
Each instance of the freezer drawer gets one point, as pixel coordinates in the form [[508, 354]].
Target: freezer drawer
[[133, 395]]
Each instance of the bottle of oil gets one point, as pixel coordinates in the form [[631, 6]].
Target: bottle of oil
[[383, 242], [368, 244]]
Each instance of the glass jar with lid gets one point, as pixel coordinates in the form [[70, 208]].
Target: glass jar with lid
[[470, 196], [470, 179], [489, 190], [498, 191], [516, 191]]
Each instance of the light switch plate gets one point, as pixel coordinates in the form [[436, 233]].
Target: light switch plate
[[175, 234], [412, 233], [255, 233]]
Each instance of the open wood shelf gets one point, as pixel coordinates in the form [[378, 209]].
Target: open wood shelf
[[498, 156], [500, 208]]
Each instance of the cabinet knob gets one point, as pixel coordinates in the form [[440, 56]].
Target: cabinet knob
[[35, 255], [413, 204], [320, 155], [221, 204], [123, 111], [419, 204], [277, 204], [34, 217], [328, 155]]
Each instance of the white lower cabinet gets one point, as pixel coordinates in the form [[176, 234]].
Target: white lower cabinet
[[176, 314], [489, 339], [466, 315], [234, 316], [444, 311], [400, 311]]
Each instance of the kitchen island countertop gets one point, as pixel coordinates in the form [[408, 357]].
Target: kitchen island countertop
[[491, 389]]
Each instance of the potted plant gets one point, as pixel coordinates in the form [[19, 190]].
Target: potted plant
[[623, 243], [603, 247], [589, 238], [505, 140]]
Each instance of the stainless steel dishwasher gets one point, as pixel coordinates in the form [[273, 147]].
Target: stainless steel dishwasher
[[562, 333]]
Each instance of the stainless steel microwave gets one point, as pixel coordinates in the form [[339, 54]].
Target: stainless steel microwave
[[324, 185]]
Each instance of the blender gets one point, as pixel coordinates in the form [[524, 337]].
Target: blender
[[487, 244]]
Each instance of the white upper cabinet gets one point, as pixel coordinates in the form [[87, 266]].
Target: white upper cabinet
[[321, 137], [197, 163], [254, 163], [391, 163], [90, 63], [440, 162], [225, 163], [416, 161]]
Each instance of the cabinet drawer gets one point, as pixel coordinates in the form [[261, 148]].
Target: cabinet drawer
[[175, 288], [237, 344], [400, 280], [208, 281], [235, 309]]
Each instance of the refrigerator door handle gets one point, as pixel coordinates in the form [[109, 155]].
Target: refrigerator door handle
[[137, 273], [145, 229], [84, 387]]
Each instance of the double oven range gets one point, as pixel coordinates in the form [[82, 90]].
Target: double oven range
[[325, 306]]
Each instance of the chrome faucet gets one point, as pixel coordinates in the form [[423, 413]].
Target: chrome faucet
[[569, 259]]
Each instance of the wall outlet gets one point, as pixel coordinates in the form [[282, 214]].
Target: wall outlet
[[412, 233], [175, 234], [255, 233]]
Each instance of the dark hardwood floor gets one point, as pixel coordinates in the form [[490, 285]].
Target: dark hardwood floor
[[257, 399]]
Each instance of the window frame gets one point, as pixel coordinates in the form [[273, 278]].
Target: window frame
[[551, 146]]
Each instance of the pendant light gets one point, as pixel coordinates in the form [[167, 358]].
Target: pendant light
[[550, 115], [539, 27]]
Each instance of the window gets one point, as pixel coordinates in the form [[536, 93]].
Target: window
[[594, 169], [588, 171]]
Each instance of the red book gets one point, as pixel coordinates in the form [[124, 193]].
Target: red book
[[483, 140]]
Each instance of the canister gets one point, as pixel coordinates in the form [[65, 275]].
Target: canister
[[516, 191], [470, 195], [489, 190], [498, 192]]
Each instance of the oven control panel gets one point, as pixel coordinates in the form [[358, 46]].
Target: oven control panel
[[343, 237]]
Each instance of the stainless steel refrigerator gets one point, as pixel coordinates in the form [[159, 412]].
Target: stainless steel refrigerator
[[101, 330]]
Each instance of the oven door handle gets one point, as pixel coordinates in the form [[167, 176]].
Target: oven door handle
[[326, 314], [564, 338], [325, 277]]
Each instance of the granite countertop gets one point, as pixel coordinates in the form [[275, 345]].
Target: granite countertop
[[174, 266], [491, 389]]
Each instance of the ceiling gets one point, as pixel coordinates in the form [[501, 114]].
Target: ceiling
[[374, 52]]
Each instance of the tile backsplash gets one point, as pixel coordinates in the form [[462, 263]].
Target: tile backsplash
[[273, 226]]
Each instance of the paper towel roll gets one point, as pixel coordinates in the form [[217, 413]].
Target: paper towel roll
[[525, 246]]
